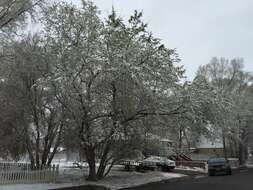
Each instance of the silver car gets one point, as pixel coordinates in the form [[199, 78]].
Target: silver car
[[153, 162]]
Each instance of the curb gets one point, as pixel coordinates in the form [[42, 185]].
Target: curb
[[84, 187], [189, 172]]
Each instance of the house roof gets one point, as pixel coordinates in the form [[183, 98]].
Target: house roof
[[205, 142]]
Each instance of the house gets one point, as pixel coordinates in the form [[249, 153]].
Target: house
[[250, 146], [206, 147]]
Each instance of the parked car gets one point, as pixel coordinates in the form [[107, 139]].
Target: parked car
[[129, 165], [218, 165], [153, 162]]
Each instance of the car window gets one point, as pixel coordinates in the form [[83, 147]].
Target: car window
[[153, 159], [217, 160]]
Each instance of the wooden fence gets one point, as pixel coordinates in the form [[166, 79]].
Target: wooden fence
[[7, 166], [16, 173]]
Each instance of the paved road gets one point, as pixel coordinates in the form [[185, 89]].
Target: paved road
[[87, 187], [238, 181]]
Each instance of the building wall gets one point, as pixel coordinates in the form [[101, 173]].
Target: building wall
[[250, 146], [211, 151], [207, 147], [201, 154]]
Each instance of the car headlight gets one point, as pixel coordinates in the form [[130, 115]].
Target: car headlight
[[171, 163]]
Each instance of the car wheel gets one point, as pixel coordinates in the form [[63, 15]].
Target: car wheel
[[165, 169], [211, 173], [229, 172], [160, 168]]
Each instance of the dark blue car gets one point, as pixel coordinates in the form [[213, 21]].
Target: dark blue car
[[218, 165]]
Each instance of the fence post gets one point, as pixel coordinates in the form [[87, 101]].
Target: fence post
[[56, 172], [53, 173], [50, 173]]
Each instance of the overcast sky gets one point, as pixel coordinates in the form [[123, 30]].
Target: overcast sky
[[198, 29]]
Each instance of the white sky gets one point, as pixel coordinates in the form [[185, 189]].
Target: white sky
[[198, 29]]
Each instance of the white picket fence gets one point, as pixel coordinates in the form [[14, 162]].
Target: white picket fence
[[6, 166], [15, 173]]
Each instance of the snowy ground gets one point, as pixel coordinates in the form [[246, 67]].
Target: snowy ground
[[32, 186], [249, 165], [117, 179], [194, 169], [130, 179]]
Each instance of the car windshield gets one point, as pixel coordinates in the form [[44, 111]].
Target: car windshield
[[153, 158], [217, 160]]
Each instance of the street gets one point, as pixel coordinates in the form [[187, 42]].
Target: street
[[238, 181]]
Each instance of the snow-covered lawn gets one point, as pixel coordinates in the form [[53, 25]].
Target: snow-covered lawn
[[118, 178], [194, 169], [115, 180], [130, 179]]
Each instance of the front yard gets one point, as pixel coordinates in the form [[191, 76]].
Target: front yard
[[117, 179]]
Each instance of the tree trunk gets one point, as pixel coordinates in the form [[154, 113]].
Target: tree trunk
[[180, 140], [109, 169], [57, 144], [101, 170], [224, 144], [242, 153], [241, 156], [187, 140], [29, 149], [103, 162], [91, 158]]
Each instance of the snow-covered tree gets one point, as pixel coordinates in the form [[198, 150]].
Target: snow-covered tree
[[31, 110], [232, 84], [109, 75], [13, 12]]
